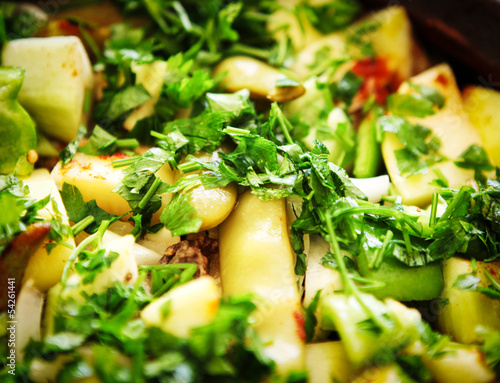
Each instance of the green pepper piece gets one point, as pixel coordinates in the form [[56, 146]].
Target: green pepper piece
[[17, 130]]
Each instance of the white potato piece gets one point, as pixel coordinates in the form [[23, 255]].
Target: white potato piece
[[96, 178], [123, 269], [319, 277], [256, 257], [450, 124], [259, 78], [29, 307], [46, 371], [44, 268], [58, 80], [150, 244], [374, 188], [481, 105], [328, 362], [151, 77], [143, 255], [183, 308]]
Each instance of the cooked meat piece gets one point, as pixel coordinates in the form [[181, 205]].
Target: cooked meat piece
[[197, 250]]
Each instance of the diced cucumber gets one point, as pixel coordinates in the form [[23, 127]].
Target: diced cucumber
[[402, 282]]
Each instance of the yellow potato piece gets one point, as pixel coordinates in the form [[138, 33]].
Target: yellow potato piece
[[45, 269], [256, 257], [459, 363], [450, 124], [482, 104], [466, 310], [212, 205], [328, 362], [96, 178], [284, 23], [151, 77], [259, 78], [392, 40], [191, 305], [391, 373]]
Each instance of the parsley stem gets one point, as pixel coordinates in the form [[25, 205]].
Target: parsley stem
[[492, 280], [251, 51], [473, 263], [348, 285], [462, 196], [406, 237], [380, 210], [434, 206], [190, 166], [285, 125], [95, 240], [125, 162], [127, 143], [379, 253], [236, 131], [159, 135], [368, 284], [151, 191], [82, 225]]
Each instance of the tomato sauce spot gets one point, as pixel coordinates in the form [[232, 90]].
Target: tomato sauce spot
[[299, 319]]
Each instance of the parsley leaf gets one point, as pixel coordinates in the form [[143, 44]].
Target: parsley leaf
[[421, 147], [429, 93], [410, 105], [67, 154], [332, 16], [78, 209], [116, 104], [180, 217], [476, 158]]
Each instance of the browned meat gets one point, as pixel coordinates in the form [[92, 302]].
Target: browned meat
[[197, 250]]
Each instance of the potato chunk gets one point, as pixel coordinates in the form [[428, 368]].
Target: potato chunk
[[258, 77], [450, 124], [481, 104], [191, 305], [256, 257], [96, 178], [466, 310], [44, 268]]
